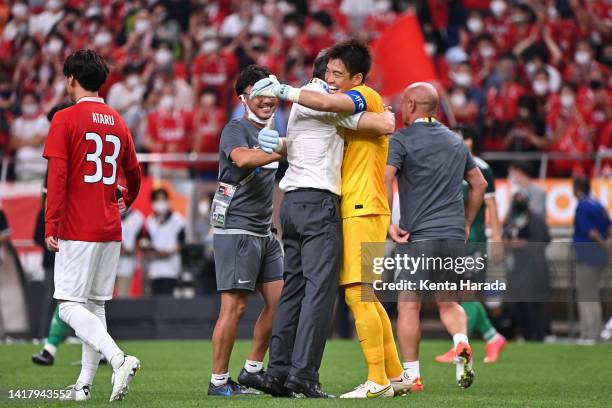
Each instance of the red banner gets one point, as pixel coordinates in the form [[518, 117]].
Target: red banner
[[399, 57]]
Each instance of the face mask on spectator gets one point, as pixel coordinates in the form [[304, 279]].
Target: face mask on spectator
[[6, 94], [166, 103], [458, 99], [540, 87], [54, 5], [132, 81], [475, 25], [141, 26], [55, 46], [430, 48], [269, 8], [290, 31], [567, 100], [29, 109], [160, 207], [210, 46], [93, 11], [45, 72], [19, 10], [582, 57], [498, 7], [103, 39], [383, 6], [486, 51], [552, 12], [462, 79], [531, 68], [163, 57]]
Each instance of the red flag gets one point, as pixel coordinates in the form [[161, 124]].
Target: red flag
[[399, 57]]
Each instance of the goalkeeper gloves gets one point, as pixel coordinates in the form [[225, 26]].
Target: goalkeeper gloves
[[269, 140], [271, 88]]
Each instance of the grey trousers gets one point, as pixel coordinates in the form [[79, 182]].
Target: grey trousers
[[312, 239], [589, 306]]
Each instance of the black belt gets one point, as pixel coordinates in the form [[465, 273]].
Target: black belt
[[314, 190]]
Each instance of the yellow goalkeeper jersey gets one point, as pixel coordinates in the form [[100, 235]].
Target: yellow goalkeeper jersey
[[363, 166]]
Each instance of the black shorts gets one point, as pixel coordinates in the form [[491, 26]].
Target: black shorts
[[242, 261]]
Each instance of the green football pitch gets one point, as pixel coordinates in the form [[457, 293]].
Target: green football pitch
[[176, 374]]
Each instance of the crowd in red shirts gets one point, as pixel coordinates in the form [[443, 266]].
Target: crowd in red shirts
[[533, 75], [530, 75]]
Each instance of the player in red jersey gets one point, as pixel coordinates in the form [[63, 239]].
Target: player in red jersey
[[88, 144]]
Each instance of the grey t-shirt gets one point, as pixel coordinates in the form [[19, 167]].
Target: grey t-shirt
[[431, 162], [251, 207]]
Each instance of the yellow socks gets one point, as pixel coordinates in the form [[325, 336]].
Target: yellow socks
[[393, 364], [375, 334]]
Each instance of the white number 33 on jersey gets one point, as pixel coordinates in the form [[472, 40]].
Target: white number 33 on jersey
[[95, 158]]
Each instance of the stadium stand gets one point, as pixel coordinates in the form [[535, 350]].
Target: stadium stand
[[533, 76]]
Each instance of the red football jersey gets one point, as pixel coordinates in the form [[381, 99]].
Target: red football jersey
[[96, 143], [174, 131]]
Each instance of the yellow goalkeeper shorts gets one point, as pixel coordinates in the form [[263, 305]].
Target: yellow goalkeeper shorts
[[355, 231]]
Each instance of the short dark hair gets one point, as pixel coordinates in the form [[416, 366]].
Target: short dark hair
[[31, 93], [465, 130], [582, 184], [293, 18], [508, 56], [211, 91], [541, 71], [523, 166], [485, 37], [320, 65], [249, 76], [354, 55], [130, 68], [88, 68], [159, 191], [324, 18], [56, 108], [570, 85]]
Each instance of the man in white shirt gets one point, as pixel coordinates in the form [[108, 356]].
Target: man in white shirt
[[312, 238], [42, 23], [28, 135], [126, 97]]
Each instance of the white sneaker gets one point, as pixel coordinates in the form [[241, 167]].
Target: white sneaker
[[122, 377], [76, 393], [370, 390], [402, 386], [606, 333]]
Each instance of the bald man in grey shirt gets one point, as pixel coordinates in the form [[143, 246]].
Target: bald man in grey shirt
[[430, 162]]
